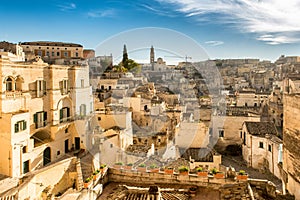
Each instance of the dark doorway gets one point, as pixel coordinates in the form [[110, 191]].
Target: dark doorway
[[47, 156], [77, 143], [66, 146]]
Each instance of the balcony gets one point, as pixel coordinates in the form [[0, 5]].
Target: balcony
[[13, 94], [66, 119], [41, 124]]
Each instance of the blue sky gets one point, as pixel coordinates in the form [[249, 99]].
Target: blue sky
[[262, 29]]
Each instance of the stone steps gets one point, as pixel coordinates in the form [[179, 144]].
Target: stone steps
[[79, 176]]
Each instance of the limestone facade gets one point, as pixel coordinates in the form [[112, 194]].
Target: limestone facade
[[43, 112]]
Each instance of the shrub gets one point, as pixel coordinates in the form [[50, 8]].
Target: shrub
[[199, 169], [142, 165], [102, 166], [129, 164], [183, 169], [118, 163], [87, 179], [153, 166], [214, 171], [96, 172], [242, 172]]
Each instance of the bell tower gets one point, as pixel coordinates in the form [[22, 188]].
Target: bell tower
[[152, 55]]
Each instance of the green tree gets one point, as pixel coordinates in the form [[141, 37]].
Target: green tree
[[125, 57]]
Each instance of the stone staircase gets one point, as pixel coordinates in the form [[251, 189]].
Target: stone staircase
[[137, 163], [79, 176], [87, 168]]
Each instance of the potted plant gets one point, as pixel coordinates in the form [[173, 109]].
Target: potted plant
[[183, 170], [88, 181], [96, 174], [217, 174], [128, 166], [118, 165], [102, 168], [201, 172], [193, 190], [242, 175], [154, 168], [169, 170], [142, 167]]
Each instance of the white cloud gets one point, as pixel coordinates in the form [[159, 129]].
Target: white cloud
[[102, 13], [67, 7], [255, 16], [278, 39], [214, 43]]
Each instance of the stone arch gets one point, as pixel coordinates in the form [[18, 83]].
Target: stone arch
[[9, 83], [19, 83], [65, 109]]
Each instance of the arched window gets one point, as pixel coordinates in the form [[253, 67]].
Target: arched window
[[82, 110], [18, 83], [9, 84]]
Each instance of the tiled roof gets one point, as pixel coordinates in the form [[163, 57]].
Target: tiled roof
[[261, 128]]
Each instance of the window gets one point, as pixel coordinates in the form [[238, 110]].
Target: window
[[99, 118], [58, 153], [47, 53], [82, 110], [76, 54], [20, 126], [18, 83], [82, 83], [53, 54], [270, 148], [261, 145], [91, 107], [9, 84], [41, 88], [26, 167], [40, 53], [64, 114], [221, 133], [40, 119], [24, 149], [57, 54], [64, 86], [66, 54]]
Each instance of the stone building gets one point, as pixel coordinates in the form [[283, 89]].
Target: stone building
[[250, 98], [50, 51], [261, 148], [43, 113], [228, 127], [15, 51]]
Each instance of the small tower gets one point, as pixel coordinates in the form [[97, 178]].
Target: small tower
[[152, 55]]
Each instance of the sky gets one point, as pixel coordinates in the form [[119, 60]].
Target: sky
[[263, 29]]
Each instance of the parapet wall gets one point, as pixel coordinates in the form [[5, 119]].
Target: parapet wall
[[228, 188]]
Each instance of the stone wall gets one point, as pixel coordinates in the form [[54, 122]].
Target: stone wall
[[291, 143], [227, 188]]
